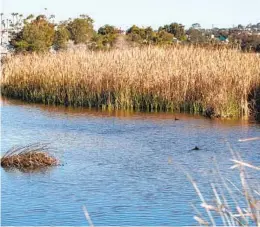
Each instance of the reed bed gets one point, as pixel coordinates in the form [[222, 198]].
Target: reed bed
[[27, 158], [185, 79]]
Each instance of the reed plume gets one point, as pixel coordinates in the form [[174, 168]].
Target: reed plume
[[151, 78]]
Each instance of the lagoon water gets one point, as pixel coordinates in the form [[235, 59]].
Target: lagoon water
[[126, 168]]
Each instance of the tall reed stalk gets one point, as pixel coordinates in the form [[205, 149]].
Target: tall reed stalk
[[154, 79], [228, 208]]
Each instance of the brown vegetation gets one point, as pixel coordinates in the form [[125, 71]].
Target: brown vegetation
[[31, 157], [149, 78]]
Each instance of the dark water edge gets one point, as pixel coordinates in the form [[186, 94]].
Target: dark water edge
[[123, 166], [152, 106]]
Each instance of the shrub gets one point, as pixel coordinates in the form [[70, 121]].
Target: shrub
[[141, 35], [176, 29], [37, 35], [107, 35], [81, 29], [61, 37], [163, 38]]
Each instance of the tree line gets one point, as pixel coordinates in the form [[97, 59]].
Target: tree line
[[40, 33]]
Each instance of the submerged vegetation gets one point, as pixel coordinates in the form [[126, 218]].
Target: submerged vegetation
[[181, 78], [28, 158]]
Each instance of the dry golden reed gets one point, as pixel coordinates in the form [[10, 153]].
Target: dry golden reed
[[30, 157], [151, 78], [233, 204]]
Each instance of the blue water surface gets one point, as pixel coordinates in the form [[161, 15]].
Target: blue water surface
[[125, 168]]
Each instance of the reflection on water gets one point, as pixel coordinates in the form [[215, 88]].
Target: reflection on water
[[62, 111], [123, 166]]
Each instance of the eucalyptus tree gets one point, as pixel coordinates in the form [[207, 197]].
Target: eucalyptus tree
[[81, 29], [107, 35], [61, 36], [178, 30], [36, 35]]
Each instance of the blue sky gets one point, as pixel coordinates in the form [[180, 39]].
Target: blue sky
[[121, 13]]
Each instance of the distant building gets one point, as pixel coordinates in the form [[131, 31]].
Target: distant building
[[175, 40], [223, 39]]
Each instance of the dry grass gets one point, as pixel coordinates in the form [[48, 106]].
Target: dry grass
[[231, 212], [27, 158], [151, 78]]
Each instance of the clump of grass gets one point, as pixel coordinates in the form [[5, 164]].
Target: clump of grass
[[189, 79], [27, 158]]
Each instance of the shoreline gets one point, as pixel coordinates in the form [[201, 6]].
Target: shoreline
[[121, 113], [216, 83]]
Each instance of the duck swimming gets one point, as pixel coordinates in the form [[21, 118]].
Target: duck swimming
[[195, 148]]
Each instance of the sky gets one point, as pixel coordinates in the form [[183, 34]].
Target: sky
[[123, 14]]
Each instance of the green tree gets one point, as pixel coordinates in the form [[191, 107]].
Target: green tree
[[134, 33], [61, 37], [37, 35], [196, 26], [176, 29], [148, 35], [163, 38], [141, 35], [196, 36], [107, 30], [81, 29], [108, 34], [97, 41]]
